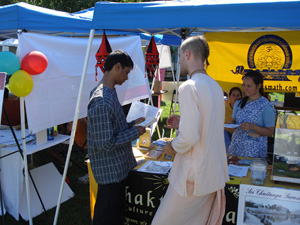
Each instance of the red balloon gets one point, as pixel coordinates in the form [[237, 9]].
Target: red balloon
[[34, 63]]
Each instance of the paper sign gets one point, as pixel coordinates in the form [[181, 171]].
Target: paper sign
[[41, 137], [231, 125], [265, 205]]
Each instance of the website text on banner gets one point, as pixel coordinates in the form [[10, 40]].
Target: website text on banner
[[275, 54]]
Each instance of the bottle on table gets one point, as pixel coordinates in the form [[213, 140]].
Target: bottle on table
[[50, 133]]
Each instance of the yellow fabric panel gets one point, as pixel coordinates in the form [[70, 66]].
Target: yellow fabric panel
[[228, 112], [229, 54], [93, 190], [288, 121]]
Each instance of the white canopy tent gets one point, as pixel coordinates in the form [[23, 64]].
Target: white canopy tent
[[40, 23]]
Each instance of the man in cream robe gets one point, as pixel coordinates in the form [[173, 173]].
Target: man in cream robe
[[195, 195]]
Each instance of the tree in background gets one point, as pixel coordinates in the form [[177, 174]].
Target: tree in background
[[63, 5]]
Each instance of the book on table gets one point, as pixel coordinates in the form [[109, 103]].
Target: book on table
[[153, 154], [160, 167]]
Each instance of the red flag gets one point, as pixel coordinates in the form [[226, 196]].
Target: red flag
[[152, 58], [101, 54]]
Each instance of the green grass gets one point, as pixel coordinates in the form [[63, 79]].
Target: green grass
[[279, 95], [283, 169], [75, 211], [164, 116]]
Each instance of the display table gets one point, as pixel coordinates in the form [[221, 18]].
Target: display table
[[232, 193], [11, 167], [144, 192]]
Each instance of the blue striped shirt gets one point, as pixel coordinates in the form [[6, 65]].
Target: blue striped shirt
[[109, 137]]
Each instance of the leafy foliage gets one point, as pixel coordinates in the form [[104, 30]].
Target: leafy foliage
[[62, 5]]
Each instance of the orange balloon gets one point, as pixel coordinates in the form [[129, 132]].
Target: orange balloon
[[34, 63]]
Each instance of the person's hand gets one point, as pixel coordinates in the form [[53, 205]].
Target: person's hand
[[141, 129], [139, 120], [246, 126], [230, 130], [169, 150], [173, 121], [249, 126]]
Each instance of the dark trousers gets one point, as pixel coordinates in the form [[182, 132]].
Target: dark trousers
[[110, 204]]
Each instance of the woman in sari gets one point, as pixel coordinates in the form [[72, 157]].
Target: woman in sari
[[256, 118], [235, 94]]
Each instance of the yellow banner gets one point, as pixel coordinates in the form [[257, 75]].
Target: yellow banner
[[275, 54]]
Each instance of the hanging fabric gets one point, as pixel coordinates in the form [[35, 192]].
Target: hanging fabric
[[152, 58], [102, 53]]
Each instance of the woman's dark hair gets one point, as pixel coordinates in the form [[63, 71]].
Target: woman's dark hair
[[117, 56], [235, 89], [257, 78]]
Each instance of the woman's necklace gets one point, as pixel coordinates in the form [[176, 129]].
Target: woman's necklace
[[197, 71]]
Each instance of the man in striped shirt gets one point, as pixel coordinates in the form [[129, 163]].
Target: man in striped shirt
[[109, 140]]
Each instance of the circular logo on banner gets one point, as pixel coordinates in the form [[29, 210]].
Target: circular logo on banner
[[272, 56], [270, 52]]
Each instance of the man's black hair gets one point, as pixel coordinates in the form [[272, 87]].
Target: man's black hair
[[118, 56]]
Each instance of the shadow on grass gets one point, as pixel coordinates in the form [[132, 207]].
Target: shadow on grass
[[72, 212]]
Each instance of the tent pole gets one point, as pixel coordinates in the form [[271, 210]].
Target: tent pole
[[158, 99], [71, 141], [23, 135], [152, 86], [176, 87], [25, 158]]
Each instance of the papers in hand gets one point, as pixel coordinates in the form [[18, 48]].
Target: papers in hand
[[139, 109], [147, 122], [231, 125]]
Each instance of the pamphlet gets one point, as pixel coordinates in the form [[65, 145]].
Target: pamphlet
[[153, 154], [168, 157], [144, 148], [160, 167], [139, 109], [160, 142], [147, 122], [238, 171], [137, 153], [231, 125], [7, 138]]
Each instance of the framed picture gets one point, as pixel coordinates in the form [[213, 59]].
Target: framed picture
[[268, 206], [286, 158]]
